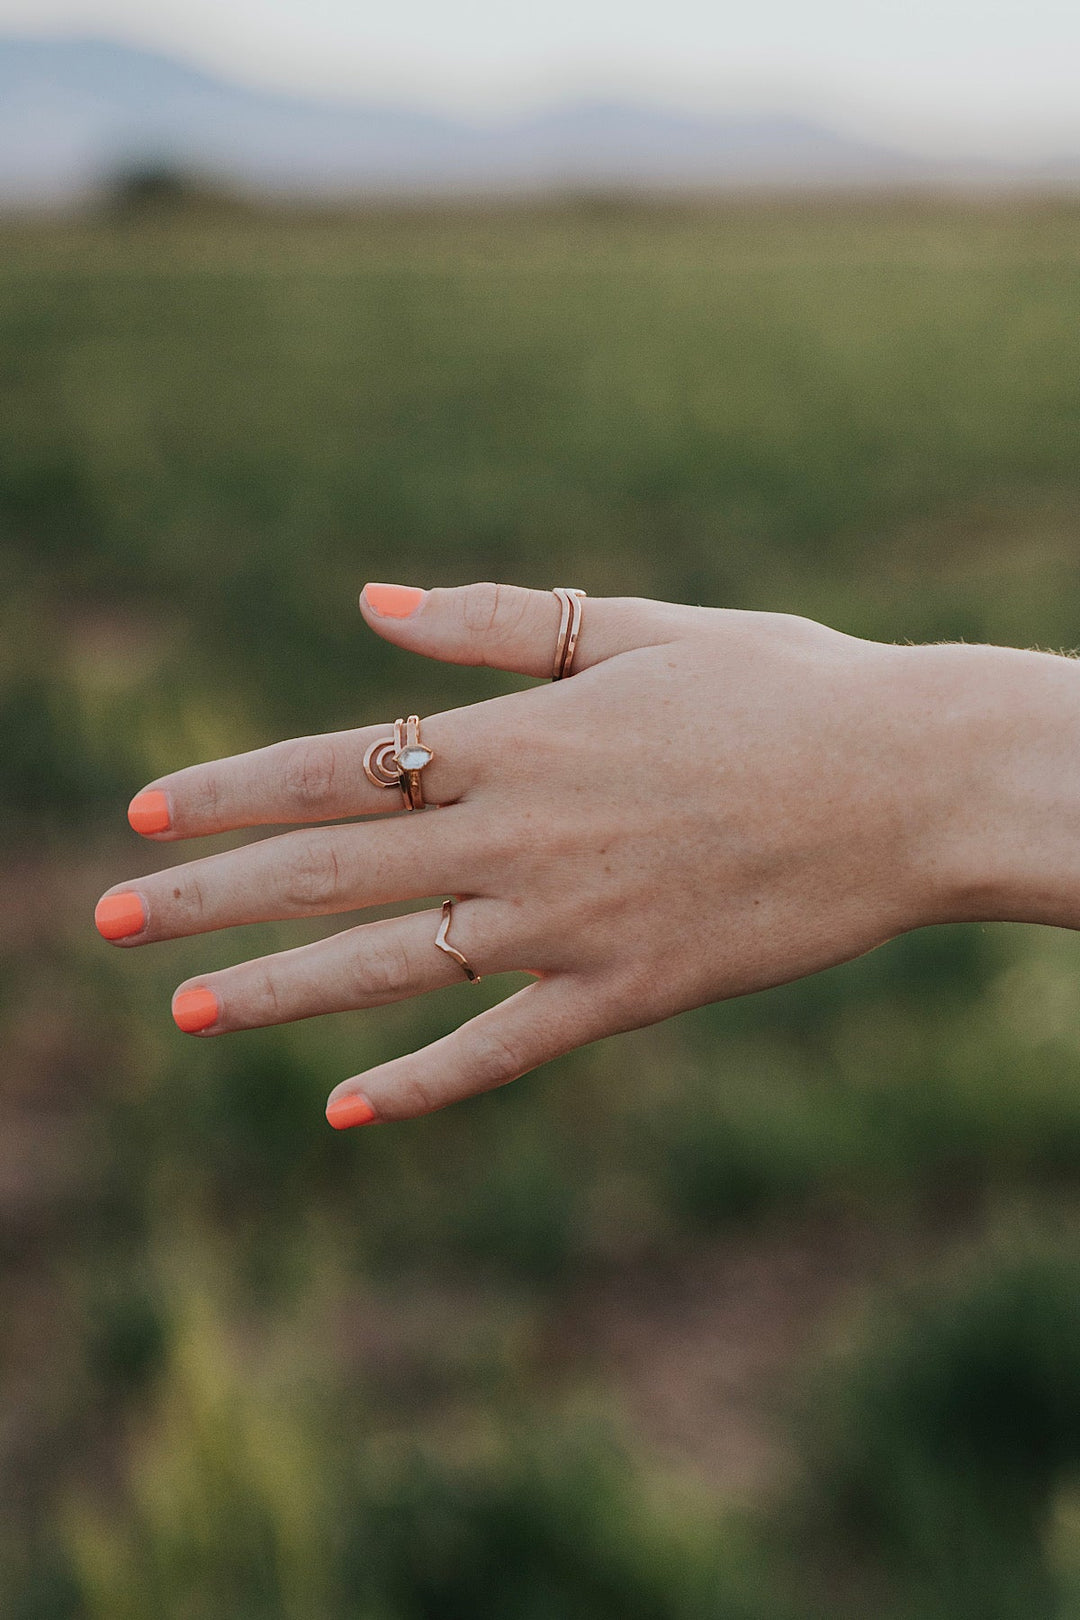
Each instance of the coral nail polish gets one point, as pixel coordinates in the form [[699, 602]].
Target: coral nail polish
[[149, 812], [347, 1111], [195, 1009], [118, 915], [393, 601]]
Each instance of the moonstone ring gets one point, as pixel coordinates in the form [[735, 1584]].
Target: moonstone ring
[[398, 761]]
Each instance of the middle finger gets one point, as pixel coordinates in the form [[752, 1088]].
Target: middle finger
[[308, 873]]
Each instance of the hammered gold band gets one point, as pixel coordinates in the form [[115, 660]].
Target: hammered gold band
[[569, 629], [444, 944]]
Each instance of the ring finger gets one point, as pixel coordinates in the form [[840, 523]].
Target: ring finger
[[368, 966]]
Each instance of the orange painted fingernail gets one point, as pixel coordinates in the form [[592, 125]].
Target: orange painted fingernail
[[195, 1009], [119, 915], [149, 812], [393, 601], [348, 1111]]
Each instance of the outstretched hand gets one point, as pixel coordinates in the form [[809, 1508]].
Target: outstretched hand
[[715, 802]]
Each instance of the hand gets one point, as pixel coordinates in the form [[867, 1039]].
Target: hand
[[715, 802]]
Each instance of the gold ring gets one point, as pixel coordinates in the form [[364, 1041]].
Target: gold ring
[[398, 761], [444, 944], [569, 628]]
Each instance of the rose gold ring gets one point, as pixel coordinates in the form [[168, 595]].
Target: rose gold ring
[[398, 761], [444, 944], [569, 628]]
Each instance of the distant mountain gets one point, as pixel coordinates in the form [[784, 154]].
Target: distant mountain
[[73, 112]]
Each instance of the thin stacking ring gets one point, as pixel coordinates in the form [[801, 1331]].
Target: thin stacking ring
[[411, 760], [444, 944], [569, 629], [398, 761]]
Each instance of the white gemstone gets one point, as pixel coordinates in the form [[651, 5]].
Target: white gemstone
[[414, 758]]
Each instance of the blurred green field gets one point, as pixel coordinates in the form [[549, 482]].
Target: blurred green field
[[770, 1313]]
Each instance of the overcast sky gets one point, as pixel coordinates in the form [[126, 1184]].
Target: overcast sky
[[996, 75]]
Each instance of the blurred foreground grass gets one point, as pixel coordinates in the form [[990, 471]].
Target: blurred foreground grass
[[767, 1312]]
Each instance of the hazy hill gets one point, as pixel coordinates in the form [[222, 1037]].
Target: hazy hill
[[72, 111]]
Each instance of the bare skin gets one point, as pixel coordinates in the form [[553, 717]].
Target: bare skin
[[714, 803]]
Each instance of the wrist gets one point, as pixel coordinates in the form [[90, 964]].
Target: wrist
[[997, 831]]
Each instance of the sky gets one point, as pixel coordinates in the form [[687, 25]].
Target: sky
[[961, 76]]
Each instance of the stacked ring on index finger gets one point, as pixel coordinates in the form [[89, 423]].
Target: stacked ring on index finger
[[398, 761]]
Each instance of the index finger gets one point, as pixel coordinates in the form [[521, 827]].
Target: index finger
[[303, 779]]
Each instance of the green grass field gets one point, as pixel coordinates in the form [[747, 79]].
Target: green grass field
[[769, 1313]]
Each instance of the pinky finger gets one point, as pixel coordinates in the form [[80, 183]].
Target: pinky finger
[[541, 1022]]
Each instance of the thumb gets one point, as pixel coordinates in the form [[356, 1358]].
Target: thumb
[[508, 627]]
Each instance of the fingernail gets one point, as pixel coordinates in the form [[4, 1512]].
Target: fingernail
[[393, 601], [195, 1009], [149, 812], [347, 1111], [119, 915]]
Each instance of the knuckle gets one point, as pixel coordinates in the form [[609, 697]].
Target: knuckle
[[192, 897], [205, 795], [513, 610], [493, 1059], [385, 973], [312, 874], [265, 1001], [414, 1097], [634, 986], [311, 774], [480, 605]]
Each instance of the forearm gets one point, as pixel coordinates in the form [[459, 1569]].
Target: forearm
[[1000, 737]]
